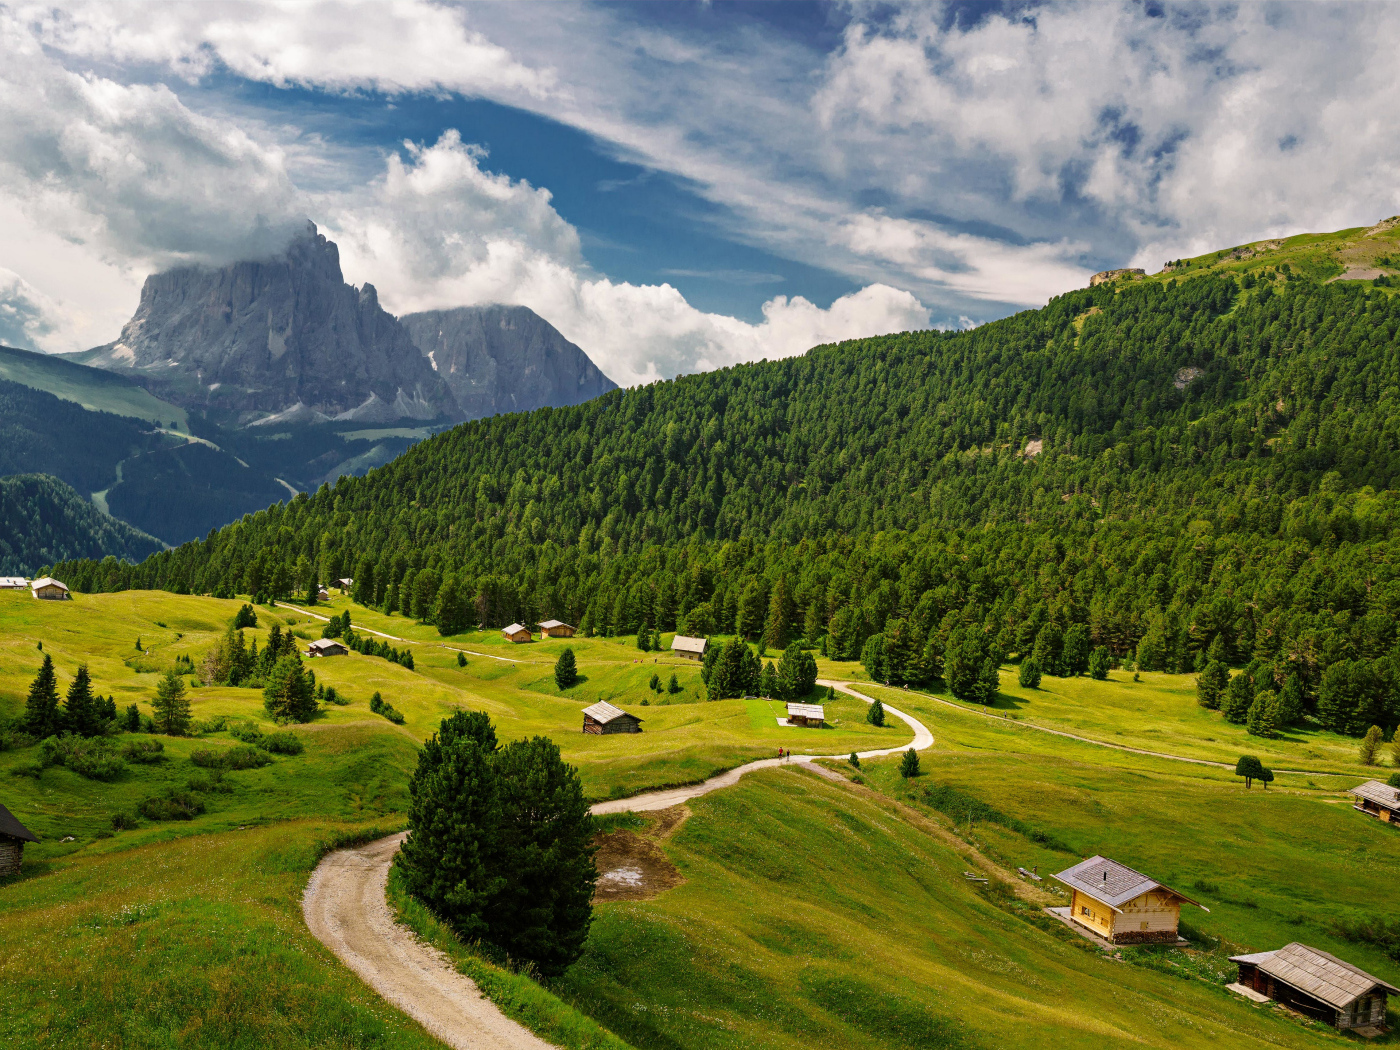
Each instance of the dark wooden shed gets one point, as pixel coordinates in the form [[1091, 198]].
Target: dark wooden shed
[[13, 836], [1318, 985], [602, 718]]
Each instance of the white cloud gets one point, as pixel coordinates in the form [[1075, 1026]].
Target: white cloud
[[438, 231], [25, 312]]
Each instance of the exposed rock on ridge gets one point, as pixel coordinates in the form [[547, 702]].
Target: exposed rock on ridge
[[504, 359], [275, 335]]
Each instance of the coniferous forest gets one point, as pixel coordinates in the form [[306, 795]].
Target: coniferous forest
[[1178, 473]]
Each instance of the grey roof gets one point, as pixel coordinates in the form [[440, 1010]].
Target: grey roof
[[514, 628], [682, 643], [550, 624], [603, 711], [806, 711], [1317, 973], [1112, 883], [48, 581], [13, 828], [1380, 793], [326, 643]]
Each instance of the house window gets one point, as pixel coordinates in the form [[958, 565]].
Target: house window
[[1144, 926], [1084, 910]]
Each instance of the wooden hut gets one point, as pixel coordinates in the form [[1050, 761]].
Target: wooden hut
[[1380, 800], [806, 715], [517, 632], [13, 583], [1318, 985], [13, 836], [1121, 905], [326, 647], [603, 718], [322, 595], [345, 583], [49, 589], [556, 629], [689, 648]]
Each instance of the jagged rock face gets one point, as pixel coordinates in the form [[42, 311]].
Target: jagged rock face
[[285, 335], [504, 359]]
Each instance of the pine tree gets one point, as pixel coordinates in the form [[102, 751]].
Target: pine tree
[[1029, 673], [909, 764], [1049, 649], [875, 713], [79, 707], [1075, 658], [1370, 746], [674, 685], [1239, 695], [1290, 702], [565, 670], [42, 718], [289, 694], [655, 684], [776, 628], [171, 705], [1100, 661], [644, 641], [1211, 685], [768, 682], [461, 659], [1262, 712], [1250, 768], [988, 686]]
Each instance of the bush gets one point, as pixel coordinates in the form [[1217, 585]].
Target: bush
[[213, 783], [461, 659], [92, 758], [34, 770], [11, 738], [854, 760], [379, 707], [1394, 780], [875, 714], [210, 725], [173, 805], [284, 743], [145, 752], [909, 764], [1029, 674], [207, 757], [245, 757], [123, 821], [332, 697], [247, 732]]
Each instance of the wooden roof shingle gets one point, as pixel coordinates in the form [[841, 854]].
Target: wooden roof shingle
[[1112, 883], [604, 712], [1323, 976], [1378, 792], [13, 828]]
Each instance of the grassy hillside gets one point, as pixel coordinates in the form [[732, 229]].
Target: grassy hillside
[[94, 389], [43, 521]]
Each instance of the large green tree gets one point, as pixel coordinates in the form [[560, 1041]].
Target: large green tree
[[81, 712], [42, 716], [171, 705], [289, 695]]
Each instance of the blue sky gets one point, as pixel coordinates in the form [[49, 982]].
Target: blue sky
[[679, 186]]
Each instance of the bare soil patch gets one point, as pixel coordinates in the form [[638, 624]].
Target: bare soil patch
[[632, 866]]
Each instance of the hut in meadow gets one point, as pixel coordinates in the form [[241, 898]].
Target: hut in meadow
[[689, 648], [13, 836], [1121, 905], [1318, 985], [556, 629], [49, 589], [1380, 800], [603, 718], [322, 595], [13, 583], [518, 633], [813, 715], [345, 583], [326, 647]]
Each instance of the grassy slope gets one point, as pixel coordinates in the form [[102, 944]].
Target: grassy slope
[[814, 917], [92, 388]]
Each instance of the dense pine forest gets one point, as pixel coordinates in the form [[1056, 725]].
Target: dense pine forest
[[1165, 471]]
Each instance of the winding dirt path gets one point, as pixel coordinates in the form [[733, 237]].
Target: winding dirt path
[[345, 909]]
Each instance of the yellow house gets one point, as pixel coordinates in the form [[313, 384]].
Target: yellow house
[[1121, 905]]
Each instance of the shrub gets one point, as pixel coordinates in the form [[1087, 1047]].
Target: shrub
[[854, 760], [1029, 674], [1394, 780], [207, 757], [247, 732], [123, 821], [90, 758], [284, 743], [145, 752], [173, 805], [332, 697], [875, 714], [245, 757], [216, 724], [461, 659], [379, 707], [33, 770], [11, 738], [213, 783], [909, 764]]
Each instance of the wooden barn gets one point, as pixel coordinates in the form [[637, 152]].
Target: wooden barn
[[689, 648], [556, 629], [345, 583], [806, 715], [517, 632], [1121, 905], [1380, 800], [13, 836], [326, 647], [13, 583], [49, 589], [322, 595], [602, 718], [1318, 985]]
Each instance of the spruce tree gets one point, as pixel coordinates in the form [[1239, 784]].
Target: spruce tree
[[42, 718], [1239, 695], [1100, 661], [1028, 675], [768, 684], [80, 707], [289, 695], [1290, 702], [1262, 712], [909, 764], [1211, 685], [776, 628], [875, 713], [674, 685], [565, 670], [655, 684], [1075, 658], [1049, 649], [1370, 746], [644, 640], [171, 705]]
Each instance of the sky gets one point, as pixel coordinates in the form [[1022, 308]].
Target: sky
[[675, 186]]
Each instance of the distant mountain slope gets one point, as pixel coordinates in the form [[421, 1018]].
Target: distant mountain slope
[[280, 335], [93, 388], [505, 359], [43, 522]]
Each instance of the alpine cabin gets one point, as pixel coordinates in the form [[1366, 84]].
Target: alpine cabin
[[1121, 905], [517, 633], [49, 589], [556, 629], [1317, 985], [813, 715], [689, 648], [1380, 800], [13, 836], [603, 718], [13, 583], [326, 647]]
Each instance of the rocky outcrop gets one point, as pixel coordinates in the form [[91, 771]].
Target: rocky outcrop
[[1113, 275], [282, 335], [504, 359]]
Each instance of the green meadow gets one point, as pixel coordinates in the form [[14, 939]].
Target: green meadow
[[812, 913]]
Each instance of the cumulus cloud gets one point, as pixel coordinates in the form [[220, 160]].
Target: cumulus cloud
[[437, 230], [25, 312]]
